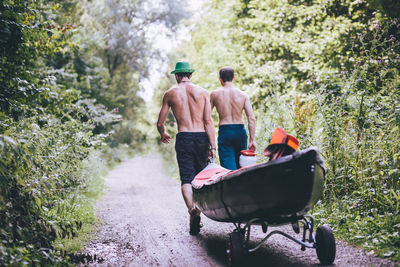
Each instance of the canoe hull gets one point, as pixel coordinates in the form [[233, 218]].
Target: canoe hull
[[276, 192]]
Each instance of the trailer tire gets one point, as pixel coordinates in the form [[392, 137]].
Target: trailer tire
[[325, 245], [235, 249]]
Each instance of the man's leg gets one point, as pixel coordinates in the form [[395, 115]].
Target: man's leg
[[194, 213], [226, 150], [187, 194], [186, 188], [186, 156], [227, 156], [240, 144]]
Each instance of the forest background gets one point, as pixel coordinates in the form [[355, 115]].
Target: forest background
[[327, 71]]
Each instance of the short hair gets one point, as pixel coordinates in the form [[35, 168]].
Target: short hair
[[226, 74], [183, 74]]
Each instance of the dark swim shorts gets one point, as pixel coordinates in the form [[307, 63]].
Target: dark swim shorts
[[231, 139], [192, 154]]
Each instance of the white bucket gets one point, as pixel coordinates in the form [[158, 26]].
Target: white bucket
[[247, 160]]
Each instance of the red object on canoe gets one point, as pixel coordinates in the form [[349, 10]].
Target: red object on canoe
[[249, 153]]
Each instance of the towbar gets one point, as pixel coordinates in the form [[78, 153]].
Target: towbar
[[285, 235]]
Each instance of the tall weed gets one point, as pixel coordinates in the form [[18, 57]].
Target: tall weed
[[41, 178]]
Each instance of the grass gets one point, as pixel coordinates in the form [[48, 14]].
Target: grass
[[95, 169], [376, 234]]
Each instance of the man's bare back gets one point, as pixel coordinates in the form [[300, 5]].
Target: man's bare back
[[191, 107], [230, 103], [187, 102]]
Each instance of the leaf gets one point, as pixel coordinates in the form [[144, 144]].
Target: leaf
[[38, 202], [388, 253]]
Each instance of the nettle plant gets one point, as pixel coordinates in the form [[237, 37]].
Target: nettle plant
[[361, 118], [366, 103]]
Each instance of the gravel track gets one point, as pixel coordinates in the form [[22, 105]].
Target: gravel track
[[145, 223]]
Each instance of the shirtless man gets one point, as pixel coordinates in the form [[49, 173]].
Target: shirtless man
[[230, 103], [195, 140]]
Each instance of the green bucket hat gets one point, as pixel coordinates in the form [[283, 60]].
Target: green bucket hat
[[182, 66]]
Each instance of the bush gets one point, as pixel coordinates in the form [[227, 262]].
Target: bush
[[40, 167]]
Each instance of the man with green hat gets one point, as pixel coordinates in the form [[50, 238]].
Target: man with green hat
[[195, 141]]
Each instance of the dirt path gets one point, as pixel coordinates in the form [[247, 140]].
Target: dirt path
[[146, 224]]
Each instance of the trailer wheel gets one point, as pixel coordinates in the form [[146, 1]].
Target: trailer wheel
[[235, 249], [325, 245]]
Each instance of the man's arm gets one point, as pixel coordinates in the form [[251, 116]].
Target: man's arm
[[161, 120], [212, 100], [208, 124], [252, 123]]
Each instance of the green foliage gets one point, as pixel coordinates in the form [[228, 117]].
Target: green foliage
[[42, 136], [362, 148], [291, 43], [389, 7], [66, 88], [79, 205], [34, 181]]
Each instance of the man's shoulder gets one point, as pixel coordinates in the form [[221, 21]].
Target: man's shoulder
[[170, 91], [199, 89], [240, 92], [169, 94], [217, 91], [172, 88], [222, 90]]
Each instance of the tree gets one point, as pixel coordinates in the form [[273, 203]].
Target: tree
[[122, 26], [119, 32]]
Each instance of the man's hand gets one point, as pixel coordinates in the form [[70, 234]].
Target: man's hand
[[251, 146], [165, 138], [212, 153]]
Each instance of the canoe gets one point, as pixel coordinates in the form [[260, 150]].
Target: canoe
[[276, 192]]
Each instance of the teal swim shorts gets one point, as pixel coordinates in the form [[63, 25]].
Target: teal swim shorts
[[232, 138]]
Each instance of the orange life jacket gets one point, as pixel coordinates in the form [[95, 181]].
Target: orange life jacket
[[282, 144]]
